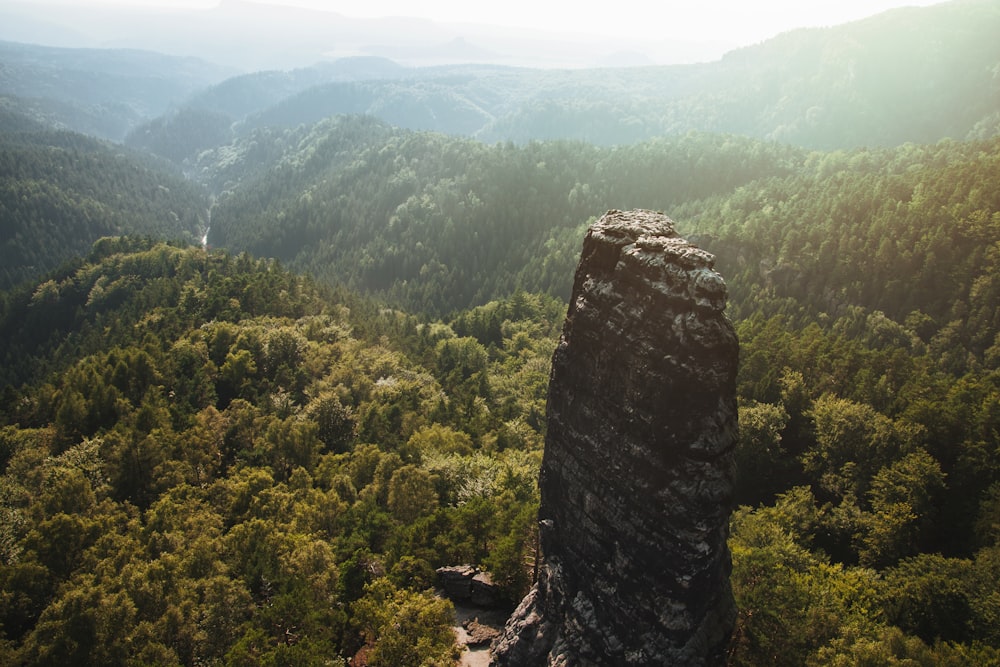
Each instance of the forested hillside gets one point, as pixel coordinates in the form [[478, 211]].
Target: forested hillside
[[436, 223], [207, 459], [257, 452], [60, 192], [103, 92], [863, 286], [909, 232], [213, 461]]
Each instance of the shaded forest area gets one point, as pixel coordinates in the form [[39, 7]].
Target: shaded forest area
[[61, 191]]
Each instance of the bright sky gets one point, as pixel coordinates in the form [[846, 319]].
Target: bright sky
[[738, 21]]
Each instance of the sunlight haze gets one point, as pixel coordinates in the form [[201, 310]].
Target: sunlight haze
[[732, 21]]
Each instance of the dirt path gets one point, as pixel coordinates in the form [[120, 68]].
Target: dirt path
[[475, 656], [478, 656]]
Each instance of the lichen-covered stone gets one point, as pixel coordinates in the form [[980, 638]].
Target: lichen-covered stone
[[636, 479]]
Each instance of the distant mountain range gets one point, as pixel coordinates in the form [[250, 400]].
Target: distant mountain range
[[253, 36], [913, 74], [102, 92], [906, 75]]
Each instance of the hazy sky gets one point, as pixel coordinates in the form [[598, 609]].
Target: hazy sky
[[736, 21]]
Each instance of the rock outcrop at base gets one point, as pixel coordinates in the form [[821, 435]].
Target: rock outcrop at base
[[467, 584], [636, 480]]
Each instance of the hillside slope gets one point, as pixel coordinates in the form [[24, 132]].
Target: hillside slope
[[907, 75], [104, 92], [60, 192], [436, 223], [207, 459]]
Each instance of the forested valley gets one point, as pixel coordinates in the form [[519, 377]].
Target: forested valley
[[257, 450], [60, 191]]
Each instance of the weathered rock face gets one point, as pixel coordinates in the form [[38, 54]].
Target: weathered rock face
[[636, 480]]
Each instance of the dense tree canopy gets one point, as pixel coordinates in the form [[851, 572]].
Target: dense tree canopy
[[239, 467], [60, 192], [436, 224], [188, 431], [258, 454]]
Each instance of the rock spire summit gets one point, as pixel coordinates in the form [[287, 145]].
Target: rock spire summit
[[636, 480]]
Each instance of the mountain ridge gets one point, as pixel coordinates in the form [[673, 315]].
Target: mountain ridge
[[911, 75], [915, 75]]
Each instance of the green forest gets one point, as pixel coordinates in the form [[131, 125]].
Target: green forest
[[212, 460], [60, 191], [256, 450], [192, 431]]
